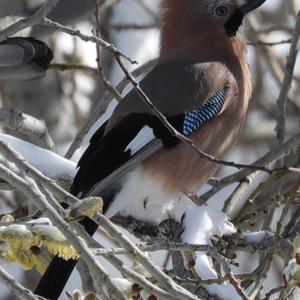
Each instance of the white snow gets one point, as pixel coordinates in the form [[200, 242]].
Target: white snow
[[200, 223], [141, 45], [144, 198], [290, 272], [48, 162], [256, 237], [291, 269], [40, 221]]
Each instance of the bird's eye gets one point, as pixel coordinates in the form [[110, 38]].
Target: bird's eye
[[221, 10]]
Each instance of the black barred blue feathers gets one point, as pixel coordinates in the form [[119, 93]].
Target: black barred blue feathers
[[197, 117]]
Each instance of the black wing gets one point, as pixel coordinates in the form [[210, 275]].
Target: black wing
[[108, 157], [188, 95], [107, 149]]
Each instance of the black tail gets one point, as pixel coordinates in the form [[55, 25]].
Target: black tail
[[102, 152], [58, 272]]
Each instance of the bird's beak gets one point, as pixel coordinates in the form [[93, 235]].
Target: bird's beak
[[250, 5], [235, 21]]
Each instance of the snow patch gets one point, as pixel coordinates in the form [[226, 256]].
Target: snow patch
[[48, 162], [200, 223]]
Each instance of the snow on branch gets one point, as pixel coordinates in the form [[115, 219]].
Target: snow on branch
[[47, 161]]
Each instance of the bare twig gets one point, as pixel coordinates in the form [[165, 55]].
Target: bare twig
[[30, 189], [140, 279], [16, 288], [269, 44], [120, 27], [82, 249], [235, 283], [86, 278], [102, 106], [103, 79], [269, 158], [180, 136], [272, 251], [165, 281], [85, 37], [147, 8], [30, 21], [287, 81], [163, 245], [73, 67]]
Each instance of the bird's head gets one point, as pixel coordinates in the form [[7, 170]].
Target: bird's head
[[210, 22], [227, 14], [234, 18]]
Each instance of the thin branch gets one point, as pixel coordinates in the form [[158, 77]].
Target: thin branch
[[147, 9], [85, 37], [235, 283], [180, 136], [269, 158], [163, 245], [274, 291], [85, 253], [120, 27], [286, 85], [85, 276], [165, 281], [139, 279], [44, 10], [265, 267], [102, 77], [220, 280], [16, 288], [269, 44], [102, 105], [73, 67], [99, 274]]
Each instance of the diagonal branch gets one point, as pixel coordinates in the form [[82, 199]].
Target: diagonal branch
[[29, 188], [85, 37], [180, 136], [42, 12], [17, 289]]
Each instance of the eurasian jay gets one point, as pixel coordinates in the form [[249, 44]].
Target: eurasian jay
[[202, 84], [24, 58]]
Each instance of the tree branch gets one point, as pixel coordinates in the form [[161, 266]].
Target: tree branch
[[286, 85], [45, 9]]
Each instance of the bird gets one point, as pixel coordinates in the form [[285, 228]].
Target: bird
[[24, 58], [202, 85]]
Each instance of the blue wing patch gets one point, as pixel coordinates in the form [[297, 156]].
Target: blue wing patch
[[197, 117]]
